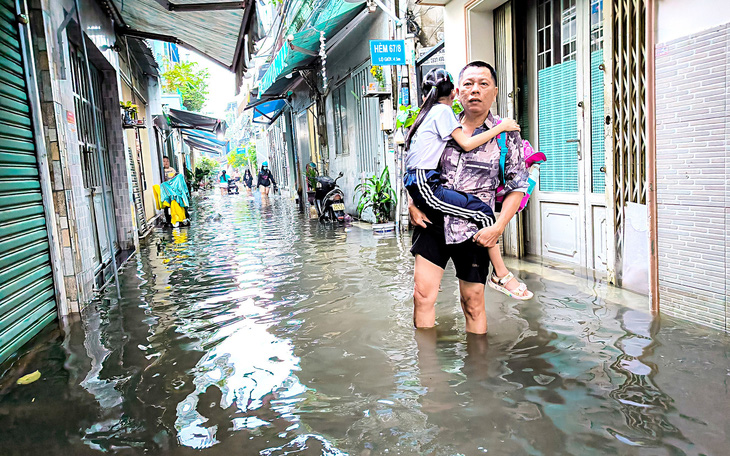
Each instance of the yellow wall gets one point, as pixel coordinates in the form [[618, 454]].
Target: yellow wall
[[147, 195]]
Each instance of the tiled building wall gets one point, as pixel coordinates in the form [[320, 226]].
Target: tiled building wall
[[693, 195], [117, 161], [74, 216], [55, 139]]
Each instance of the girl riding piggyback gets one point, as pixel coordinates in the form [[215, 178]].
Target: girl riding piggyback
[[435, 125]]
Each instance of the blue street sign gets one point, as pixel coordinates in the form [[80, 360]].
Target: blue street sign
[[388, 52]]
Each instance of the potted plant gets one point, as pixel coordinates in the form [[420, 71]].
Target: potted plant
[[311, 172], [130, 113], [377, 72], [377, 194]]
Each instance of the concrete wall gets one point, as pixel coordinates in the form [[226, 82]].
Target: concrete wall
[[350, 54], [680, 18], [74, 215], [693, 195], [469, 32], [154, 108], [455, 36], [480, 36]]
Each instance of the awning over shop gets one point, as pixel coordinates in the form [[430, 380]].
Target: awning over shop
[[268, 111], [208, 140], [143, 54], [195, 121], [206, 146], [304, 48], [222, 30]]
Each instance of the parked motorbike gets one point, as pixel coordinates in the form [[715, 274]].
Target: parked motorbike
[[329, 200], [232, 187]]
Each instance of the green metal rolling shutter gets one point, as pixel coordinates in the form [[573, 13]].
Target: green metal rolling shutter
[[27, 300]]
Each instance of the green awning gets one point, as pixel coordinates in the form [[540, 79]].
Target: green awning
[[304, 48]]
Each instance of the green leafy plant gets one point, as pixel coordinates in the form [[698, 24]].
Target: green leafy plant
[[192, 84], [407, 114], [200, 176], [311, 178], [456, 107], [376, 193]]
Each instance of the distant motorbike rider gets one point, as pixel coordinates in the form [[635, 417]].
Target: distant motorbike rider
[[265, 179]]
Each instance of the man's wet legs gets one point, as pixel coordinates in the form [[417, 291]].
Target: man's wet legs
[[472, 303], [427, 277]]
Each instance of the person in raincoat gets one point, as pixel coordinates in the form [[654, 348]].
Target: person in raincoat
[[173, 196], [265, 179]]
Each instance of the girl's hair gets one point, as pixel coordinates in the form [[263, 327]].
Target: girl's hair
[[436, 85]]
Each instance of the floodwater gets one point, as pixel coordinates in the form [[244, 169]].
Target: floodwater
[[263, 333]]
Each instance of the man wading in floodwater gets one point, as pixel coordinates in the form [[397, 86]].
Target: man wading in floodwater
[[436, 241]]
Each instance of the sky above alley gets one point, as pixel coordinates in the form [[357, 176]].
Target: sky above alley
[[221, 84]]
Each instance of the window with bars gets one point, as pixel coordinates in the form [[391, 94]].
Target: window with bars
[[544, 33], [596, 25], [557, 30], [89, 115], [568, 22], [339, 103]]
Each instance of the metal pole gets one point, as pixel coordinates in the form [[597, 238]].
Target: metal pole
[[651, 172], [98, 151]]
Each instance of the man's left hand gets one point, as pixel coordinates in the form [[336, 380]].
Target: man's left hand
[[488, 237]]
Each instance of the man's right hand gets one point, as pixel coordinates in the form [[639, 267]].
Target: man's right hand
[[417, 216]]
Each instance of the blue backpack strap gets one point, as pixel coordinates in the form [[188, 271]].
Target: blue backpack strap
[[502, 143]]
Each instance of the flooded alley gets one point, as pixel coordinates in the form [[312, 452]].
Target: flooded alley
[[257, 331]]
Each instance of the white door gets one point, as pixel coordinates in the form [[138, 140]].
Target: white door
[[570, 203]]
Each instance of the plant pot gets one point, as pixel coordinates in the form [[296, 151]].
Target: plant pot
[[386, 227], [310, 197]]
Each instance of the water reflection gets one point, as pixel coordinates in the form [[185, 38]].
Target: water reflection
[[258, 331]]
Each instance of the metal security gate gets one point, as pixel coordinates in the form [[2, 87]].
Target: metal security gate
[[366, 125], [27, 297], [86, 110], [626, 116]]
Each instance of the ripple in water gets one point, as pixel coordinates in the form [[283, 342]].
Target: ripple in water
[[262, 332]]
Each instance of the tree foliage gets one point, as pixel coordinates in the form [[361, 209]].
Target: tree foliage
[[237, 160], [252, 160], [248, 159], [207, 165], [191, 82]]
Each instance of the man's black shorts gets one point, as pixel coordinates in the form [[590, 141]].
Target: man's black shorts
[[470, 260]]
